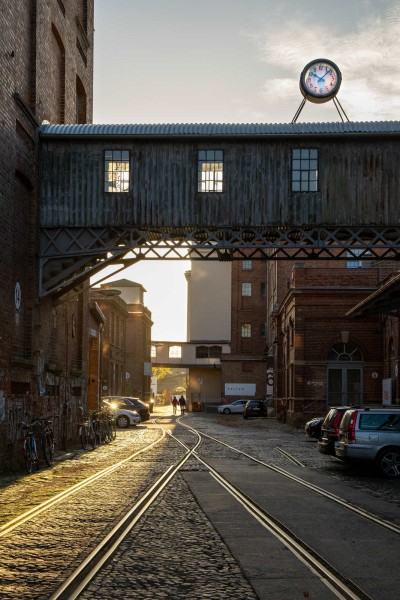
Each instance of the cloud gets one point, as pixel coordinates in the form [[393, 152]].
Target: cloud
[[365, 55]]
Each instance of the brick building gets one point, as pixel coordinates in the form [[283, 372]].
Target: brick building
[[126, 339], [46, 72], [245, 365], [319, 355]]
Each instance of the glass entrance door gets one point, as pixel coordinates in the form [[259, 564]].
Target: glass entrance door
[[344, 385]]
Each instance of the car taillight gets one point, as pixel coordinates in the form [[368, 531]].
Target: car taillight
[[336, 423], [351, 434]]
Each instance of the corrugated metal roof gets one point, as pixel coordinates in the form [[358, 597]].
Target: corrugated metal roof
[[222, 129], [387, 295]]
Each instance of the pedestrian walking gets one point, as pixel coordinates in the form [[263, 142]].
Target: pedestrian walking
[[182, 404], [174, 404]]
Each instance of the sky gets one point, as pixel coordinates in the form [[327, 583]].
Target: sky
[[235, 61]]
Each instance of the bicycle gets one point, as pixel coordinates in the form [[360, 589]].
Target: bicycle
[[112, 424], [108, 426], [29, 447], [98, 428], [47, 441], [87, 434]]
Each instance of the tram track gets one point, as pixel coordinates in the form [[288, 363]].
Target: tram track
[[30, 514], [310, 486], [338, 584], [83, 574]]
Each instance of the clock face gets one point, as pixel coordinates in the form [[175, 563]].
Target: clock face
[[320, 80]]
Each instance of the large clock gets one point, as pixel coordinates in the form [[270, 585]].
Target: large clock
[[320, 80]]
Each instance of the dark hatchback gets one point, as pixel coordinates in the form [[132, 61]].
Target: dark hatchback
[[255, 408], [312, 428], [131, 403], [330, 429]]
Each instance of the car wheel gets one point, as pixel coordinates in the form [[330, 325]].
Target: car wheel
[[226, 411], [388, 462], [123, 421]]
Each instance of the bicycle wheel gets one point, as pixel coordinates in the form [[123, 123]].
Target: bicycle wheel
[[113, 425], [83, 436], [106, 432], [48, 449], [92, 437], [28, 456]]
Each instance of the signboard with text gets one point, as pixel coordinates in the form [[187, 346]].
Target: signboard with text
[[240, 389]]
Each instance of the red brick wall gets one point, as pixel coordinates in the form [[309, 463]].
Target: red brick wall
[[29, 341], [315, 306]]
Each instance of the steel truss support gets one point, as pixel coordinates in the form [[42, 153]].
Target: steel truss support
[[69, 256]]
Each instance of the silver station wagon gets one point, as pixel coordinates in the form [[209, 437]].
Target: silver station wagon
[[372, 435]]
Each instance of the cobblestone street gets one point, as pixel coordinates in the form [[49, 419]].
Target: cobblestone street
[[174, 551]]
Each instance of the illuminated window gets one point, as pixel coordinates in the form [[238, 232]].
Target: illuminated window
[[210, 170], [247, 265], [246, 289], [175, 352], [304, 170], [153, 351], [246, 330], [116, 171]]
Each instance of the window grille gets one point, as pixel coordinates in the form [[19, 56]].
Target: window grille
[[304, 170], [246, 330], [116, 171], [246, 289], [210, 171]]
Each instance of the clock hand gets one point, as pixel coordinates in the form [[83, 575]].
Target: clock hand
[[326, 73]]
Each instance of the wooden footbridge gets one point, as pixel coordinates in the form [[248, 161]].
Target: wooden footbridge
[[117, 194]]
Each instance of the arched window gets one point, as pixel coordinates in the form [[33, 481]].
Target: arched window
[[81, 102], [201, 351], [175, 352], [215, 352], [345, 352]]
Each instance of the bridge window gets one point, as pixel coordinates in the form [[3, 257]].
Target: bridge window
[[175, 352], [208, 351], [201, 351], [215, 351], [304, 170], [116, 171], [210, 170], [246, 330], [246, 289], [247, 265]]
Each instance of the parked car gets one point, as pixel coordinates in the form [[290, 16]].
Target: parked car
[[330, 429], [312, 428], [233, 407], [131, 403], [123, 416], [255, 408], [367, 434]]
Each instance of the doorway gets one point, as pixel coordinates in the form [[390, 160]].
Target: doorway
[[344, 375]]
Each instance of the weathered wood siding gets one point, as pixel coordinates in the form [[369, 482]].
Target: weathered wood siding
[[359, 183]]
